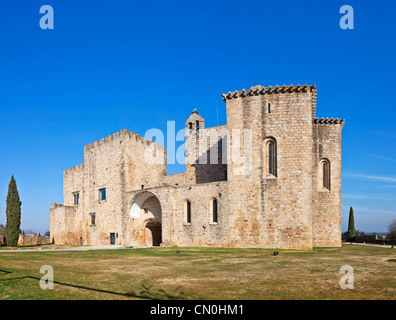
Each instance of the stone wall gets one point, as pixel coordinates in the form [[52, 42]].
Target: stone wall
[[32, 239], [64, 225], [117, 163], [326, 202], [273, 210], [169, 203], [43, 240]]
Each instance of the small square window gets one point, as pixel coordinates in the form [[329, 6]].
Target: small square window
[[102, 194], [145, 210]]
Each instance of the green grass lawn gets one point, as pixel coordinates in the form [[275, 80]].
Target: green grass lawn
[[201, 273]]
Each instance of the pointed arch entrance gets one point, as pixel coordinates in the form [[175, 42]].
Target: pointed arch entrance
[[147, 208]]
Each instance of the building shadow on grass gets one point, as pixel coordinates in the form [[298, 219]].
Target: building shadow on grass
[[145, 293], [4, 272]]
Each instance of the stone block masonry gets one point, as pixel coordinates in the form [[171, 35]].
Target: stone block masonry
[[286, 192]]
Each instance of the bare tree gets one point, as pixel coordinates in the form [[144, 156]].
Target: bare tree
[[392, 232]]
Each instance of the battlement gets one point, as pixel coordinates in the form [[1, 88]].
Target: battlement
[[74, 169], [260, 90], [122, 136], [55, 205], [328, 121]]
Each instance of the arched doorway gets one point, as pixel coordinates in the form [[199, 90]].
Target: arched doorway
[[146, 209], [152, 233]]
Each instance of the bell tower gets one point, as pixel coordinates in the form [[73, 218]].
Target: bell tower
[[194, 124]]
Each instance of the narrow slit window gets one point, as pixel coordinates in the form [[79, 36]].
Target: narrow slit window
[[188, 212], [325, 174], [269, 108], [215, 211], [271, 158], [93, 219]]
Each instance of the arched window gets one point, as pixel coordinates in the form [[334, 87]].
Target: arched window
[[214, 211], [271, 162], [324, 174], [188, 212], [190, 126], [270, 157], [197, 125]]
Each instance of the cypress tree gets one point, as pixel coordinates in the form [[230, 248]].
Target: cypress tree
[[351, 225], [13, 213]]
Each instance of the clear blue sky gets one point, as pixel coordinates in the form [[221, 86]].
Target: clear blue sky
[[110, 65]]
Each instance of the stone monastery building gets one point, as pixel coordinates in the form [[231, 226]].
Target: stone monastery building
[[270, 177]]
